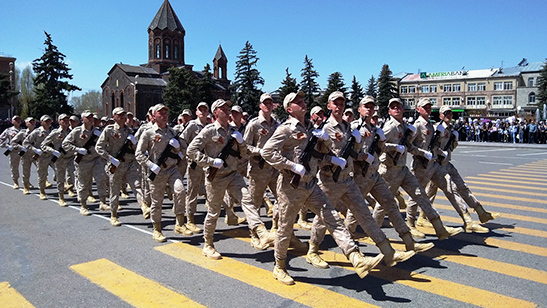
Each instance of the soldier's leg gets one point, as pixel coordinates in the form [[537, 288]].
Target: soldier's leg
[[61, 172], [102, 182], [85, 180], [215, 195], [133, 179], [116, 182], [195, 178], [42, 166], [26, 162], [14, 161], [157, 191]]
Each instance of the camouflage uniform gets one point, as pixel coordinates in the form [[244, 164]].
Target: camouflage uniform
[[26, 158], [53, 143], [195, 176], [143, 172], [14, 158], [34, 142]]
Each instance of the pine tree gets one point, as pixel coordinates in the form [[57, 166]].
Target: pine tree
[[50, 82], [371, 87], [205, 86], [335, 82], [308, 84], [386, 90], [180, 92], [288, 85], [356, 93], [245, 91], [542, 87]]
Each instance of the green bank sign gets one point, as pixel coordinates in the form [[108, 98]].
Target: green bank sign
[[442, 74]]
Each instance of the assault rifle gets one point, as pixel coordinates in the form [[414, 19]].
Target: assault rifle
[[8, 151], [167, 153], [121, 153], [226, 151], [448, 147], [373, 148], [90, 142], [432, 145], [403, 141], [308, 153], [347, 151], [53, 157]]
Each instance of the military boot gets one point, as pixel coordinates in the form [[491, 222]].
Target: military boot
[[62, 201], [231, 218], [43, 195], [190, 225], [26, 190], [472, 226], [392, 256], [91, 199], [209, 250], [145, 208], [48, 184], [84, 211], [266, 238], [15, 185], [114, 219], [180, 228], [444, 232], [415, 232], [103, 206], [280, 273], [273, 230], [363, 265], [255, 241], [157, 235], [313, 257], [269, 206], [485, 216], [410, 244], [422, 221], [296, 243], [71, 193]]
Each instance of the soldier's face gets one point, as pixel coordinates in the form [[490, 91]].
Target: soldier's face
[[222, 114], [297, 107], [366, 110], [161, 116], [30, 125], [348, 117], [64, 123], [267, 106], [396, 111], [236, 116], [119, 118], [202, 112], [447, 116], [337, 107], [425, 111]]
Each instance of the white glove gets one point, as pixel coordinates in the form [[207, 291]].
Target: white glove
[[237, 136], [412, 128], [445, 154], [97, 132], [456, 134], [320, 134], [24, 149], [155, 168], [56, 153], [357, 135], [370, 159], [298, 169], [174, 143], [381, 134], [260, 152], [400, 148], [114, 161], [38, 152], [338, 161], [81, 151], [428, 155], [217, 163], [132, 139], [440, 128], [10, 148]]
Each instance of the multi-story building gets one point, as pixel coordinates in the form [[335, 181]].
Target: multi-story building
[[7, 72], [485, 93]]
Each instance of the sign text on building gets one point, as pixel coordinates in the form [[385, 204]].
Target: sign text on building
[[442, 74]]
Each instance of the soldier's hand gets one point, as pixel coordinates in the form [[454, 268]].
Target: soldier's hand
[[114, 161], [10, 147], [38, 152], [132, 139], [81, 151], [370, 159], [400, 148], [237, 136], [338, 161], [298, 169], [174, 143], [320, 134], [24, 149], [155, 168], [428, 155], [381, 134], [217, 163], [56, 153], [357, 135]]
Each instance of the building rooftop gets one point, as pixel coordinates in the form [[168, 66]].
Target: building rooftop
[[166, 19]]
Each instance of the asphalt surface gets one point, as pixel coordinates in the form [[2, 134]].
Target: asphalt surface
[[42, 245]]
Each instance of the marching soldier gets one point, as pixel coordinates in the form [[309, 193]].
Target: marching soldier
[[26, 156], [14, 158], [116, 145], [282, 151], [33, 142], [145, 182], [81, 141], [164, 152], [52, 145]]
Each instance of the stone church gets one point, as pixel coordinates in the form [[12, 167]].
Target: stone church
[[136, 88]]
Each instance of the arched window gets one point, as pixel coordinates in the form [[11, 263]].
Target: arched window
[[158, 50], [175, 50], [121, 100], [532, 98], [166, 49]]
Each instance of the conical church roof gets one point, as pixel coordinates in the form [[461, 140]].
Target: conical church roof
[[220, 54], [166, 19]]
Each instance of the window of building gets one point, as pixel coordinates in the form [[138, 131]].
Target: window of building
[[447, 87], [456, 87], [497, 100], [176, 51], [425, 89], [472, 87], [433, 88], [167, 49], [532, 98], [412, 89], [404, 90], [446, 100], [481, 86], [433, 101], [410, 103], [471, 101], [158, 51], [508, 100], [455, 101], [498, 86], [531, 81], [508, 85], [481, 101]]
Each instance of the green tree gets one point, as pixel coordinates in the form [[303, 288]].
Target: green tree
[[335, 82], [180, 92], [542, 87], [288, 85], [245, 91], [26, 95], [308, 85], [371, 87], [91, 100], [50, 85], [386, 89], [205, 86], [356, 92]]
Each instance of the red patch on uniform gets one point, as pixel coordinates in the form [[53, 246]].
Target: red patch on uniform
[[117, 136], [220, 140], [83, 136], [300, 136], [263, 132], [366, 134], [157, 138], [13, 135], [428, 132], [43, 135], [447, 135], [338, 136], [400, 135], [60, 137]]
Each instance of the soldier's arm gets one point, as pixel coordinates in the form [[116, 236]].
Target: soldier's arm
[[45, 146], [4, 139], [69, 144], [251, 140], [143, 145], [101, 145], [195, 149], [392, 139], [27, 142], [16, 141], [272, 149]]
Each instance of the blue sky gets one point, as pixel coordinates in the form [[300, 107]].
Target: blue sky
[[352, 37]]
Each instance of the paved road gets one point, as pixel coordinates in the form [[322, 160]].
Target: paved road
[[53, 257]]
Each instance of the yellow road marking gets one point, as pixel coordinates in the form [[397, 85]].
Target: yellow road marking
[[508, 191], [504, 175], [506, 185], [489, 178], [471, 295], [10, 298], [301, 292], [131, 287], [525, 171], [504, 205], [504, 215], [529, 200]]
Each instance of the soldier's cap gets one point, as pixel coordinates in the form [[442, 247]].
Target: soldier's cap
[[349, 110], [45, 118], [96, 116], [366, 100], [105, 119], [375, 115], [74, 118], [187, 112], [237, 108], [290, 98], [62, 116], [203, 104], [130, 114], [219, 103], [265, 96], [245, 114], [315, 110], [424, 101], [29, 119], [394, 100], [150, 109], [335, 95], [15, 117], [158, 107], [86, 113], [444, 109], [118, 110]]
